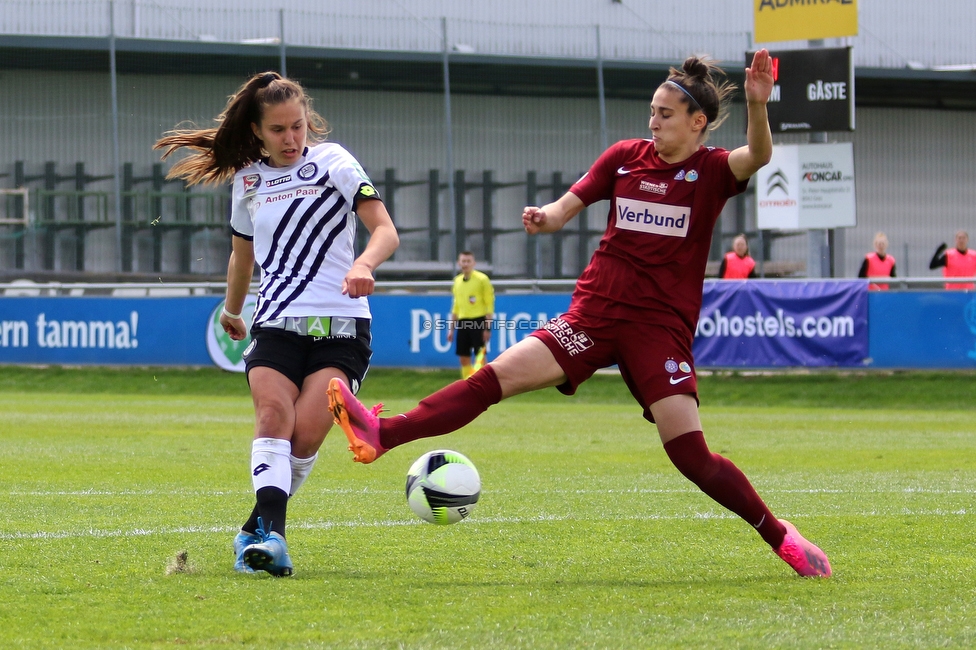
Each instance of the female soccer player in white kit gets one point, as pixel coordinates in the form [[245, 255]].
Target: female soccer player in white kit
[[293, 211]]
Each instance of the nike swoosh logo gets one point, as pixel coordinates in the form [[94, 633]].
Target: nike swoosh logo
[[622, 171], [678, 381]]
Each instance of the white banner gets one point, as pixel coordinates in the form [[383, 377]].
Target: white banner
[[807, 186]]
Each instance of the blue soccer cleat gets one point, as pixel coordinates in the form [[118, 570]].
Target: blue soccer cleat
[[242, 541], [270, 554]]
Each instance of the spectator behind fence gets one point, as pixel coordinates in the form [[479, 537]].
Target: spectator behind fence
[[958, 262], [737, 265], [878, 264]]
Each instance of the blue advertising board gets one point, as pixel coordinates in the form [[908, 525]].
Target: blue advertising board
[[749, 324], [110, 331], [923, 329], [412, 330], [768, 323]]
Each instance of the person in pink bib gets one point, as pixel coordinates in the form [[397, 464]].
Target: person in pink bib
[[737, 263], [878, 264], [958, 262]]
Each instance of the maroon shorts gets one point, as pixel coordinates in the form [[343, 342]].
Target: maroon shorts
[[655, 361]]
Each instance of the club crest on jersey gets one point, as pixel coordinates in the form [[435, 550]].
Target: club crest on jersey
[[671, 366], [307, 171], [691, 176], [251, 184], [279, 180], [680, 176], [656, 188]]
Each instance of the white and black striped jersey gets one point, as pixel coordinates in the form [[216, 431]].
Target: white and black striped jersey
[[301, 222]]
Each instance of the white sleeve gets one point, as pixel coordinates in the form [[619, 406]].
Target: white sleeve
[[349, 177], [241, 222]]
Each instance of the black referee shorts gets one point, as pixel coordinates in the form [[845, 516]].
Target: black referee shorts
[[297, 356], [469, 336]]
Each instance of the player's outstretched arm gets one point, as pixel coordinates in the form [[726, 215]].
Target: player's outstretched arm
[[552, 216]]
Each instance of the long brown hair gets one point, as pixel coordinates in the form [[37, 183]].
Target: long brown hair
[[705, 88], [229, 147]]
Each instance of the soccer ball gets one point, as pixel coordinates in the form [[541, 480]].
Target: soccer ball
[[443, 486]]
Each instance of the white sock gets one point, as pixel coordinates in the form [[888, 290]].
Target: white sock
[[270, 466], [300, 469]]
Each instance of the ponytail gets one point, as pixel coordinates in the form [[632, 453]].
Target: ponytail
[[218, 153], [704, 88]]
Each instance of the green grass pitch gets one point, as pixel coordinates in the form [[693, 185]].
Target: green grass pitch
[[585, 535]]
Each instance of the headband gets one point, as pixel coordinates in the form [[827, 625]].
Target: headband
[[685, 91]]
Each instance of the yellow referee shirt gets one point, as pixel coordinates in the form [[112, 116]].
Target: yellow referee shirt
[[474, 297]]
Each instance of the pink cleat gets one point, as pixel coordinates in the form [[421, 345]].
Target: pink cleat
[[805, 558], [361, 426]]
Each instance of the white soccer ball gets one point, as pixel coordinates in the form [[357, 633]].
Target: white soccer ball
[[443, 486]]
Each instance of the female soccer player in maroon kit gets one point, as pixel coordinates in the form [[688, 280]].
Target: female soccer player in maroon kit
[[637, 302]]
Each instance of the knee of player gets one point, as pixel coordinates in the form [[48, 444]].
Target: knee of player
[[274, 420]]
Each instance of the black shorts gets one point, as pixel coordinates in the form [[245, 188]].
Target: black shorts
[[469, 336], [297, 356]]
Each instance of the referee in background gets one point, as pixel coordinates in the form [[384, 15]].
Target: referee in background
[[471, 314]]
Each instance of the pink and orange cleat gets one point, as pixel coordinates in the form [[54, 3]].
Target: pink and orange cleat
[[361, 425], [805, 558]]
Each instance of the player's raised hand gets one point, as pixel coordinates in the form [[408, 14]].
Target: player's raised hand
[[759, 78]]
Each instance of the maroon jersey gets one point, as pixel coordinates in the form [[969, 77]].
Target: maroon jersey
[[651, 260]]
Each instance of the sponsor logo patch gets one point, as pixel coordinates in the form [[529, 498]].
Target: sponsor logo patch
[[656, 188], [251, 183], [570, 340], [279, 180], [654, 218]]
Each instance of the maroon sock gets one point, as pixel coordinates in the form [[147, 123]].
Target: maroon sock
[[445, 411], [720, 479]]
